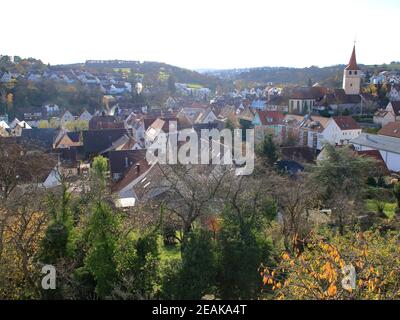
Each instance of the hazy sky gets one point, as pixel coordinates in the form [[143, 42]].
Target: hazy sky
[[202, 34]]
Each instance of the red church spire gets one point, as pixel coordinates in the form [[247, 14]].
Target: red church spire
[[353, 61]]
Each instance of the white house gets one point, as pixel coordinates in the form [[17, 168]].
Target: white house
[[390, 114], [67, 117], [388, 147], [85, 116], [394, 93], [340, 130], [52, 108], [5, 77], [14, 123]]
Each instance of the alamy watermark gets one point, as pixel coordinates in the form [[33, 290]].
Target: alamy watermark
[[49, 280], [218, 147]]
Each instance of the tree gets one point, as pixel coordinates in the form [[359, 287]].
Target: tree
[[341, 179], [171, 85], [197, 273], [396, 194], [295, 198], [323, 270], [102, 239], [268, 150], [186, 200], [101, 233], [55, 242], [138, 266], [241, 252]]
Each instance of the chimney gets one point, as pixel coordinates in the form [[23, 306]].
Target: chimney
[[138, 168], [126, 162]]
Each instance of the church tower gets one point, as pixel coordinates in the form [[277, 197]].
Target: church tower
[[352, 76]]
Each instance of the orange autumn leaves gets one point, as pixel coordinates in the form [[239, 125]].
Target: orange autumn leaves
[[318, 272]]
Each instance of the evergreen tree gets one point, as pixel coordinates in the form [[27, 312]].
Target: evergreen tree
[[241, 253], [268, 150]]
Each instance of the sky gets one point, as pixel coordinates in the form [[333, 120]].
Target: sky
[[206, 34]]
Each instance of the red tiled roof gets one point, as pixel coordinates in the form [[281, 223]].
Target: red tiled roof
[[353, 61], [392, 129], [270, 118], [374, 154], [346, 123]]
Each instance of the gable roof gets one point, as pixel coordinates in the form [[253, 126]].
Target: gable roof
[[122, 160], [134, 172], [396, 107], [104, 122], [346, 123], [392, 129], [270, 118], [95, 141], [42, 137]]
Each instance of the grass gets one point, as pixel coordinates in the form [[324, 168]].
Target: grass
[[163, 76], [169, 252], [388, 210], [194, 86]]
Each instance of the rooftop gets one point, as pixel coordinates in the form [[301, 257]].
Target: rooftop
[[378, 142]]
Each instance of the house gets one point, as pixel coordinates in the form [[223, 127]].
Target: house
[[390, 114], [141, 182], [340, 130], [96, 141], [122, 160], [14, 123], [394, 93], [4, 125], [392, 129], [67, 139], [301, 102], [375, 155], [39, 138], [51, 109], [85, 116], [389, 148], [34, 77], [20, 126], [5, 77], [277, 103], [268, 122], [4, 117], [310, 130], [338, 100], [199, 115], [105, 122], [377, 79], [66, 117], [125, 143]]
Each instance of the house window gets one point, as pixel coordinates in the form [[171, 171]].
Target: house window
[[305, 138], [350, 73], [355, 72], [315, 140]]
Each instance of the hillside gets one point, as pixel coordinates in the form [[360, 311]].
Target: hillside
[[148, 71], [329, 76]]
